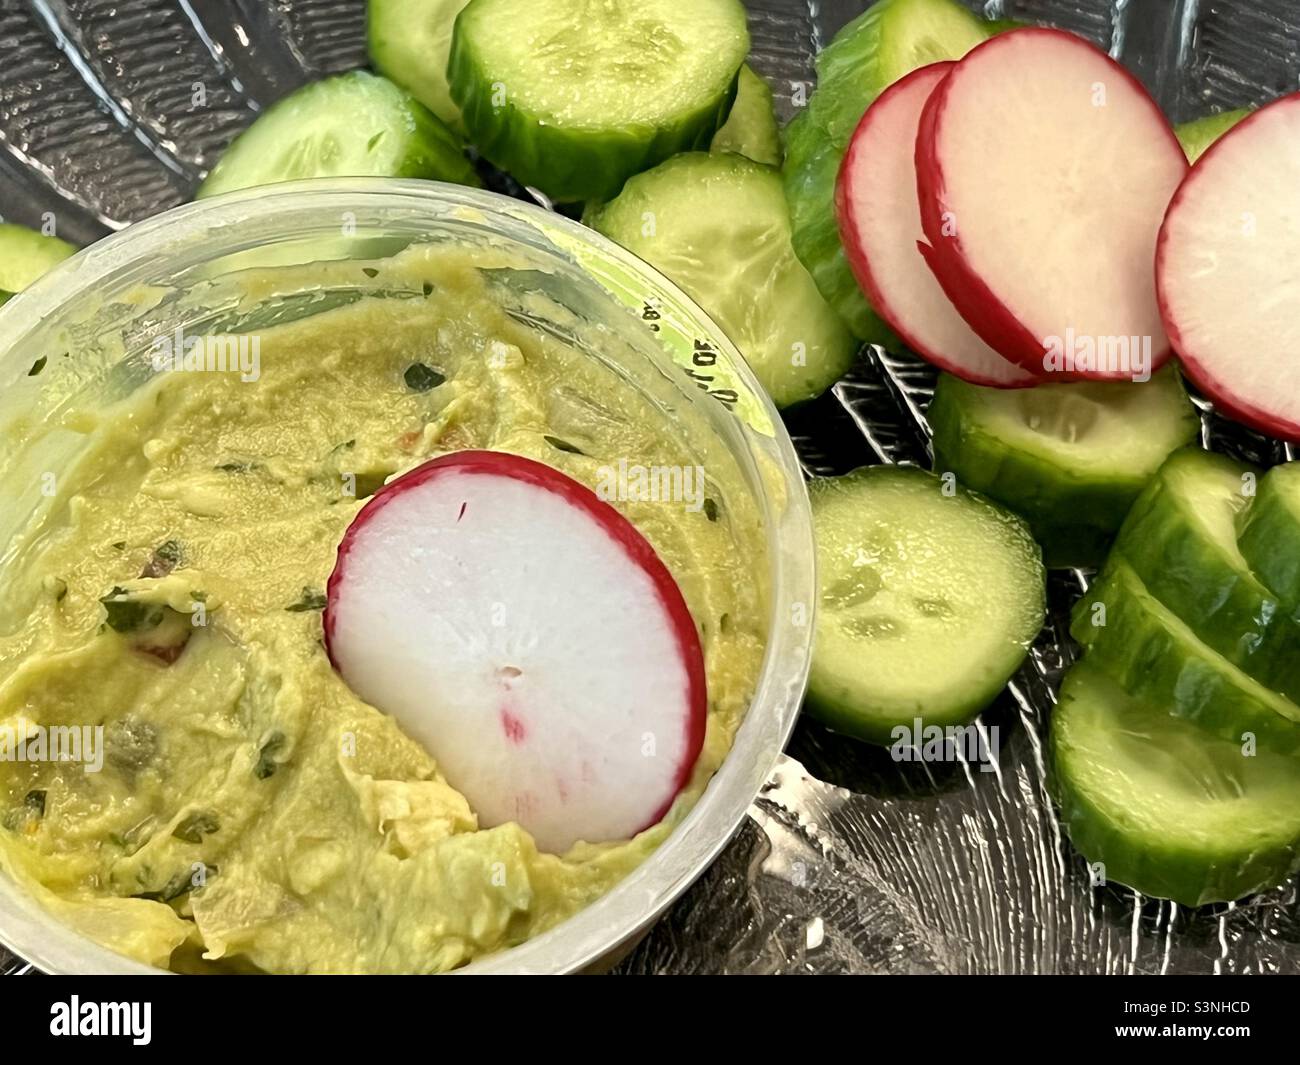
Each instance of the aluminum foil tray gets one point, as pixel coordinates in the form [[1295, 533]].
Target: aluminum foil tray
[[849, 861]]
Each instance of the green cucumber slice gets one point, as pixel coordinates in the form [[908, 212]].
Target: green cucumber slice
[[890, 39], [1270, 534], [1069, 458], [25, 255], [1181, 540], [751, 129], [351, 125], [1200, 133], [928, 601], [409, 42], [1166, 809], [575, 98], [717, 226], [1154, 655]]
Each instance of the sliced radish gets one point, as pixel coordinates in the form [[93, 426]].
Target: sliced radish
[[529, 636], [1228, 270], [1043, 171], [880, 224]]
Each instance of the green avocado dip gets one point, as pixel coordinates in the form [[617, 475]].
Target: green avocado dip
[[249, 812]]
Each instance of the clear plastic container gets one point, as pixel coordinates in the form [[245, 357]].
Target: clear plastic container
[[101, 307]]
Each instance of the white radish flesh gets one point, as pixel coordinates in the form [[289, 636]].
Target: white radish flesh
[[530, 638], [1228, 270], [880, 224], [1043, 171]]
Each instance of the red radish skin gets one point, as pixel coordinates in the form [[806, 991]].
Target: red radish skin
[[509, 736], [880, 225], [1231, 301], [1038, 228]]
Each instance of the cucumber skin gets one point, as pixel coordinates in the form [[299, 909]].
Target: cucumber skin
[[395, 50], [1229, 610], [435, 152], [1153, 664], [1024, 484], [1170, 872], [1270, 535], [686, 181], [811, 167], [850, 75], [1074, 518], [831, 703], [564, 163], [837, 710], [441, 156], [1157, 865]]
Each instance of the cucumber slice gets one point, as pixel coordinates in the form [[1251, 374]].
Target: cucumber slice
[[1270, 534], [750, 129], [25, 255], [1181, 540], [1154, 655], [1168, 810], [1200, 133], [929, 601], [1069, 458], [576, 98], [350, 125], [890, 39], [717, 226], [409, 42]]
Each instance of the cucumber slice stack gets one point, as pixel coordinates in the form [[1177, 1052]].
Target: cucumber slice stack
[[351, 125], [1177, 738], [1155, 656], [890, 39], [1070, 458], [716, 224], [929, 600], [1162, 806], [1181, 540], [574, 99]]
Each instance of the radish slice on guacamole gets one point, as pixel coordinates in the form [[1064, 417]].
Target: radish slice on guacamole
[[528, 635]]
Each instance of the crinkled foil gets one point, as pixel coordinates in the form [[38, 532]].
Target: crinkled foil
[[849, 861]]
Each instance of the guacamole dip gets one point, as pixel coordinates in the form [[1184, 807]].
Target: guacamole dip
[[248, 811]]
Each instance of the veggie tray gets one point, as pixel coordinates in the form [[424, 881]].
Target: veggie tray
[[852, 860]]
